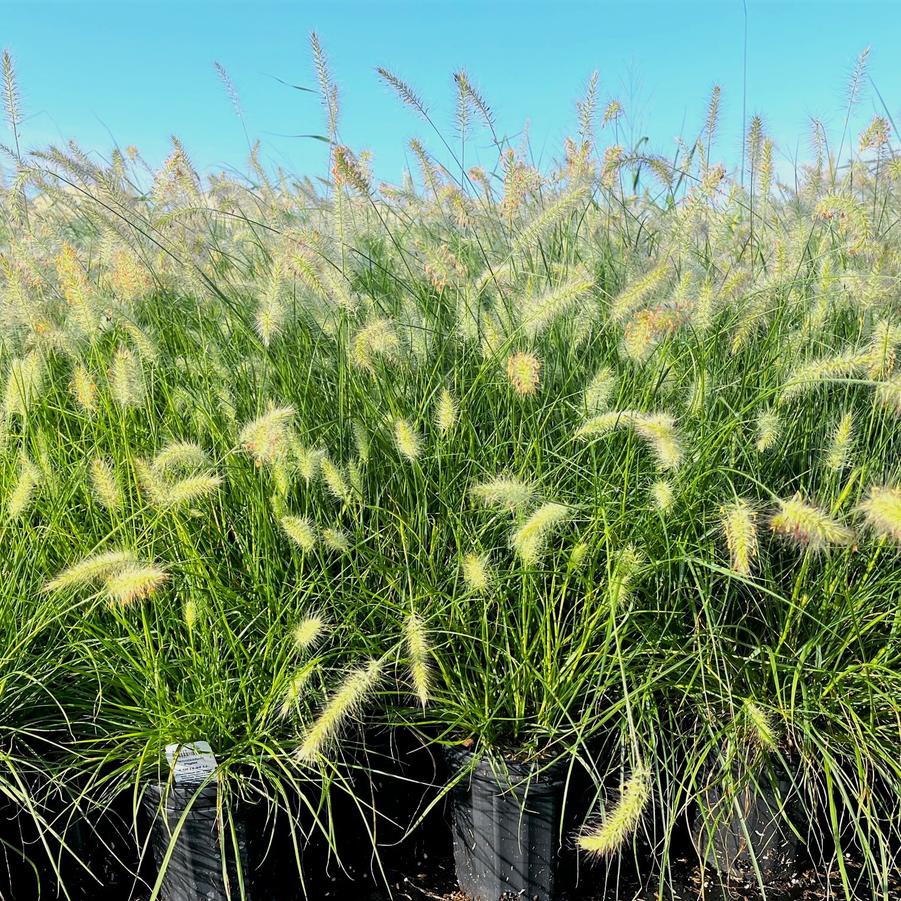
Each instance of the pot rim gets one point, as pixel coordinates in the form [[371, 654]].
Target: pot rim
[[496, 770]]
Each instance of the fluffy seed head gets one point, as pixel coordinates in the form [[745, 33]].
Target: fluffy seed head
[[300, 530], [84, 389], [377, 340], [335, 481], [104, 484], [698, 392], [355, 477], [272, 310], [336, 540], [340, 707], [606, 422], [90, 569], [539, 313], [308, 461], [555, 212], [625, 569], [888, 394], [309, 631], [142, 342], [612, 112], [476, 570], [190, 614], [524, 372], [882, 512], [599, 390], [768, 428], [659, 430], [23, 384], [809, 526], [187, 491], [417, 644], [763, 731], [167, 493], [614, 158], [808, 376], [662, 495], [578, 554], [646, 329], [10, 89], [26, 484], [632, 297], [528, 540], [133, 582], [281, 484], [296, 685], [179, 456], [348, 170], [503, 492], [129, 279], [879, 357], [361, 440], [407, 442], [622, 819], [73, 282], [266, 438], [739, 523], [841, 443], [126, 379], [445, 412], [705, 307], [492, 339]]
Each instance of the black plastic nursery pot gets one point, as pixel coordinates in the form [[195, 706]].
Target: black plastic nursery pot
[[406, 775], [506, 820], [749, 829], [387, 815], [43, 853], [215, 849], [200, 856]]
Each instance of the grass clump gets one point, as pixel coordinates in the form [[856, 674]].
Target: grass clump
[[591, 463]]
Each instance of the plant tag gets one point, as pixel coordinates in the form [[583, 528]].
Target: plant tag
[[193, 762]]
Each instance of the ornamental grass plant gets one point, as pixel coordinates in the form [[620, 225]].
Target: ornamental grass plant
[[596, 464]]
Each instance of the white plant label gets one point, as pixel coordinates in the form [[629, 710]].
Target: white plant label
[[193, 762]]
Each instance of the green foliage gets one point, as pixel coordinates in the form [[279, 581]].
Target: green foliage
[[561, 465]]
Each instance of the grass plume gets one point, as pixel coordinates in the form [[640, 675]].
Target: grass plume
[[529, 538], [622, 819], [342, 706]]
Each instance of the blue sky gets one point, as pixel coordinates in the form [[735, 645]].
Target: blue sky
[[135, 72]]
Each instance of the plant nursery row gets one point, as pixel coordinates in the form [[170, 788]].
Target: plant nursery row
[[540, 522]]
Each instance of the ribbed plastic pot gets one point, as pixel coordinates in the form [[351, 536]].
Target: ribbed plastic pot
[[505, 827], [760, 812], [195, 869]]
